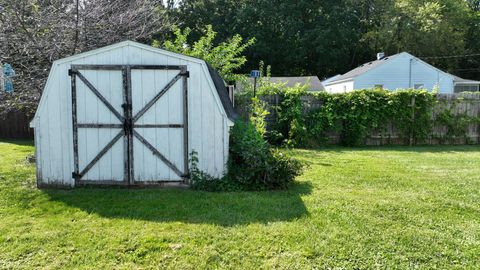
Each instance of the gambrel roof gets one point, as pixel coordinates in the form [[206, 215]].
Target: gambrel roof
[[216, 80]]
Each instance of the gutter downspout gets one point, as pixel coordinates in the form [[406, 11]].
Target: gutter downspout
[[410, 73]]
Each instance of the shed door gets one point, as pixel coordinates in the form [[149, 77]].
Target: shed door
[[130, 124], [159, 115]]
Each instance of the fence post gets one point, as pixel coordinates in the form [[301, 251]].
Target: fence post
[[412, 121]]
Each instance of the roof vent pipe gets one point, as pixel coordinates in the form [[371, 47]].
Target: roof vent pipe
[[380, 55]]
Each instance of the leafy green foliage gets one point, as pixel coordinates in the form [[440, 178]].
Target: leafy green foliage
[[412, 114], [409, 25], [456, 124], [259, 112], [296, 37], [199, 180], [291, 122], [359, 112], [255, 165], [226, 57], [244, 98], [353, 115], [328, 37]]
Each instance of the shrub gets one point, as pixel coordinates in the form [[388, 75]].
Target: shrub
[[200, 180], [254, 165], [257, 117]]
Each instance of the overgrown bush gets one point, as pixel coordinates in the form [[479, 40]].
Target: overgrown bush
[[253, 164], [258, 114], [200, 180]]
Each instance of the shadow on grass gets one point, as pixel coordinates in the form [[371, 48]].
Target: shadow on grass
[[24, 142], [170, 205]]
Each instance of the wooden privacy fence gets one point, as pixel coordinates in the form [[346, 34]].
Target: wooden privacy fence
[[459, 106], [15, 126]]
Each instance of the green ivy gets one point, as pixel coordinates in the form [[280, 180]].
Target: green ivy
[[290, 124], [353, 115], [412, 114], [456, 124]]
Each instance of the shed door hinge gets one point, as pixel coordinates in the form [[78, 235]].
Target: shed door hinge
[[71, 72], [185, 73], [75, 175]]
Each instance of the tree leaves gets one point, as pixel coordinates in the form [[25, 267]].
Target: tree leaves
[[227, 57]]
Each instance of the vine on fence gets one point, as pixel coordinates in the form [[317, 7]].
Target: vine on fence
[[455, 124], [355, 115]]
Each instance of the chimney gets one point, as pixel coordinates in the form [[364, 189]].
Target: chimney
[[380, 55]]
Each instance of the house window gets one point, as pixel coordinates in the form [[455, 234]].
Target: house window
[[378, 86], [466, 88], [418, 86]]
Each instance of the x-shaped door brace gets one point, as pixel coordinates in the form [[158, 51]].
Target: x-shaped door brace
[[127, 119]]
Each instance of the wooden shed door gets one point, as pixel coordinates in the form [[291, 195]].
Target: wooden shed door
[[130, 124]]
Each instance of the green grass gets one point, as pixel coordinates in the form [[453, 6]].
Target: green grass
[[365, 208]]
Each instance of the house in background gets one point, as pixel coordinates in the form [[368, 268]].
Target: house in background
[[330, 79], [464, 85], [313, 82], [398, 71]]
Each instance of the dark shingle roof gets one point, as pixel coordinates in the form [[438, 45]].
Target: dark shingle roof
[[314, 83], [222, 93], [362, 69]]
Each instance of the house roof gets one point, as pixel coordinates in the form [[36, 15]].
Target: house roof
[[313, 81], [362, 69], [330, 79], [457, 79]]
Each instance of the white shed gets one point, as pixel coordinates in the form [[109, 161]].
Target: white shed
[[130, 114]]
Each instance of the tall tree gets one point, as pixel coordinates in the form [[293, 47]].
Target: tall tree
[[328, 37], [34, 33], [470, 65], [295, 37], [424, 28]]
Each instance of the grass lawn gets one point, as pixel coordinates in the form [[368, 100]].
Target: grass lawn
[[364, 208]]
